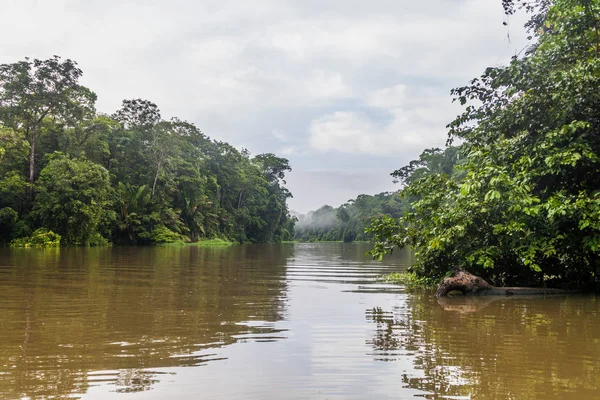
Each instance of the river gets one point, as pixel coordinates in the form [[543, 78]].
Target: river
[[289, 321]]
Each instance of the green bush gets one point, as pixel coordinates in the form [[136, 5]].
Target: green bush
[[408, 279], [40, 238], [161, 235]]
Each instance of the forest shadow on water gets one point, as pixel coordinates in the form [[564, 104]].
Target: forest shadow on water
[[275, 321]]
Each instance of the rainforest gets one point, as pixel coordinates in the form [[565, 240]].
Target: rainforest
[[70, 175]]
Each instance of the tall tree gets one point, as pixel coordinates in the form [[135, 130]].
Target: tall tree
[[31, 91]]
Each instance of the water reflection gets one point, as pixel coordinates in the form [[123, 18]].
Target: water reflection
[[493, 348], [283, 321], [78, 317]]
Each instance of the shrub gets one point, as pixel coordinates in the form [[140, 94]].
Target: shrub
[[40, 238]]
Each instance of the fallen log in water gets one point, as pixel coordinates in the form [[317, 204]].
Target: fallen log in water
[[472, 285]]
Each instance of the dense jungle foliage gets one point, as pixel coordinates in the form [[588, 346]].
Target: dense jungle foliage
[[522, 207], [79, 177]]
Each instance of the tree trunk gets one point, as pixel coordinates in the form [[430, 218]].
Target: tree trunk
[[471, 285], [155, 179], [240, 197], [32, 156]]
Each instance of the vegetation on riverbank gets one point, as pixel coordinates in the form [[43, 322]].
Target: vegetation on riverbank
[[42, 237], [131, 177], [212, 242], [408, 278], [522, 204]]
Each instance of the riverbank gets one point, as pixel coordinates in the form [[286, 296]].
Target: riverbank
[[203, 243]]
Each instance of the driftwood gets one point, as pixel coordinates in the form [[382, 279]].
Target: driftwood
[[472, 285]]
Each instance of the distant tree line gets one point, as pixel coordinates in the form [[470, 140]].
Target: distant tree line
[[350, 221], [127, 178], [347, 222]]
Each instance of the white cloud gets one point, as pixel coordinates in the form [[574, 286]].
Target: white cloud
[[335, 187], [328, 85], [417, 117], [343, 131], [388, 98]]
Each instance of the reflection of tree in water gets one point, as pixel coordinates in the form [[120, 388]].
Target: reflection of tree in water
[[135, 380], [494, 348], [67, 314]]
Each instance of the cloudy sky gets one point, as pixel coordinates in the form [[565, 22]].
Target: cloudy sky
[[347, 90]]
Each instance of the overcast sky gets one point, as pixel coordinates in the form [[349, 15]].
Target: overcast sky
[[347, 90]]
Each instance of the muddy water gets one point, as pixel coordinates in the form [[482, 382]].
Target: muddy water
[[290, 321]]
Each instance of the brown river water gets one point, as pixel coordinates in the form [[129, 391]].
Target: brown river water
[[289, 321]]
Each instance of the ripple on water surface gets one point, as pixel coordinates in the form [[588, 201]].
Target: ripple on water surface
[[275, 321]]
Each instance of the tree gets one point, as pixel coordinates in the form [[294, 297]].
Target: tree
[[132, 204], [431, 161], [273, 171], [130, 146], [274, 168], [138, 113], [525, 208], [13, 162], [31, 91], [73, 198]]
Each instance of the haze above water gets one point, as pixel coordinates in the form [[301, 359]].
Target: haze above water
[[290, 321]]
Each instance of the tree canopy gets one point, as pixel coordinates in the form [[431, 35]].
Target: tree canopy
[[523, 204], [127, 178]]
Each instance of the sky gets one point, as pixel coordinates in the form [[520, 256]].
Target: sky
[[348, 91]]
